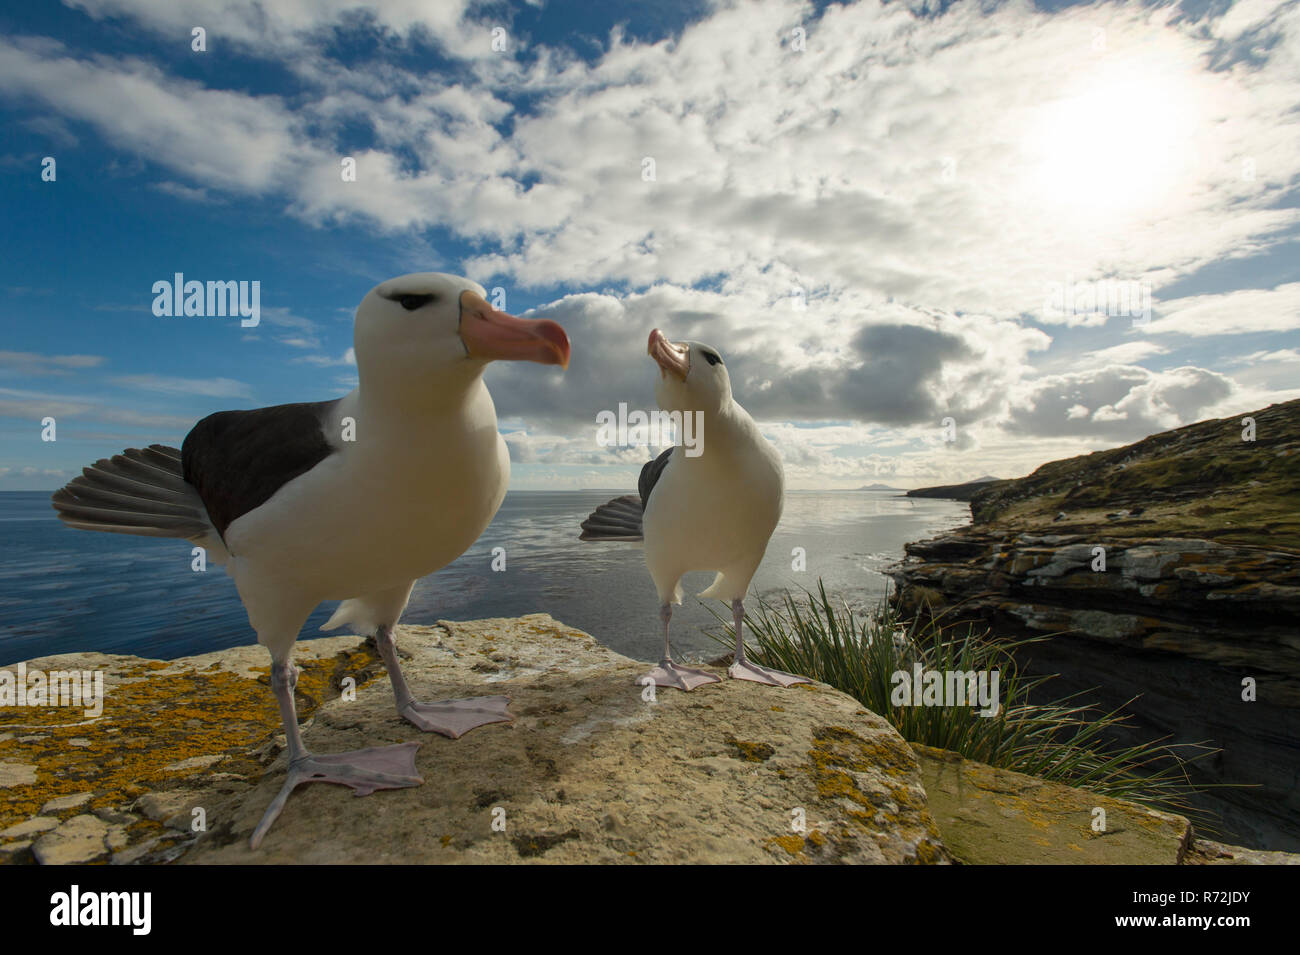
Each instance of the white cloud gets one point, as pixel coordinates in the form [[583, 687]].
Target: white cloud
[[30, 363], [204, 387], [1230, 313], [284, 24], [924, 182], [1128, 353], [1116, 403], [34, 406], [223, 139], [349, 357]]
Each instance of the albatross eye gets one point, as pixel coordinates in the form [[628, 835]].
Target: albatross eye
[[412, 302], [711, 358]]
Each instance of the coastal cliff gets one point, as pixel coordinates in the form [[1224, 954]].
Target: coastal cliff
[[1167, 570]]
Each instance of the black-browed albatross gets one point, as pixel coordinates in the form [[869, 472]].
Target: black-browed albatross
[[714, 511], [352, 499]]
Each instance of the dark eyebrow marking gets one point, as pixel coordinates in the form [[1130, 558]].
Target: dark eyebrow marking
[[411, 301]]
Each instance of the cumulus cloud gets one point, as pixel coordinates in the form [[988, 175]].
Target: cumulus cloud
[[838, 359], [919, 185], [1120, 403]]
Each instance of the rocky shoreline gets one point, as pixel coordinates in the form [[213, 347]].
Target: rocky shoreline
[[589, 771], [1167, 571]]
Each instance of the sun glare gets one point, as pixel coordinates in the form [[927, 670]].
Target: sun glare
[[1116, 143]]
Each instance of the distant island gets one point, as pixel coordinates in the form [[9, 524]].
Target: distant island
[[878, 487]]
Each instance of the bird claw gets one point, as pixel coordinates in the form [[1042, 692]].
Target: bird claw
[[364, 770], [455, 718], [669, 674], [764, 675]]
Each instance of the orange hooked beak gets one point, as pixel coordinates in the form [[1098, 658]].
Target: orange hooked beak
[[490, 335], [672, 359]]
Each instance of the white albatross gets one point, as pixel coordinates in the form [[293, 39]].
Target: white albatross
[[353, 499], [714, 511]]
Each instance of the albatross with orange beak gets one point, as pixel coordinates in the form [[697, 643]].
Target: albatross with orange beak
[[714, 511], [352, 499]]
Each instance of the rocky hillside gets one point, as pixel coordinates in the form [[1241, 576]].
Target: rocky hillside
[[954, 492], [1202, 481], [1168, 570]]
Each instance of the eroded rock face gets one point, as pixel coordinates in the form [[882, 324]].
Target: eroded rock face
[[1200, 591], [1175, 625], [1230, 605], [1197, 602], [590, 771]]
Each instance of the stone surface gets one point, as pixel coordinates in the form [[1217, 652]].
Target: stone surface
[[1208, 852], [164, 805], [77, 841], [592, 772], [64, 803], [589, 771], [14, 774], [164, 727], [32, 827], [16, 852], [990, 816]]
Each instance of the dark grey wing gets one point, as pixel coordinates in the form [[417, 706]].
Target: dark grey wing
[[620, 519], [650, 473], [139, 491], [237, 460]]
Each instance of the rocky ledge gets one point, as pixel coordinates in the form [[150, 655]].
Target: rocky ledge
[[589, 771], [187, 755]]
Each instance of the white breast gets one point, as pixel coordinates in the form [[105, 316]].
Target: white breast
[[716, 511], [403, 500]]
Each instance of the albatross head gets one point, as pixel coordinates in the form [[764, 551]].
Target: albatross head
[[431, 324], [692, 376]]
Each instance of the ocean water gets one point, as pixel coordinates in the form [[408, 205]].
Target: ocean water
[[64, 590]]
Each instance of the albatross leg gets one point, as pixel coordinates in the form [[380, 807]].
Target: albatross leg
[[452, 718], [365, 770], [742, 669], [670, 674]]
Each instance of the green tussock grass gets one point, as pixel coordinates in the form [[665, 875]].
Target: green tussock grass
[[1063, 740]]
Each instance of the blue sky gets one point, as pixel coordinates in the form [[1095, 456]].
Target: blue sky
[[865, 207]]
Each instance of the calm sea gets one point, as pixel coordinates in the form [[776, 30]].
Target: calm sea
[[63, 590]]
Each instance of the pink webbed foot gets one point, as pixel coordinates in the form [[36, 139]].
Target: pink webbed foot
[[455, 718], [364, 770], [757, 674], [669, 674]]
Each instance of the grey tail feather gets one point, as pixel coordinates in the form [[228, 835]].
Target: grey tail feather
[[619, 520], [138, 492]]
